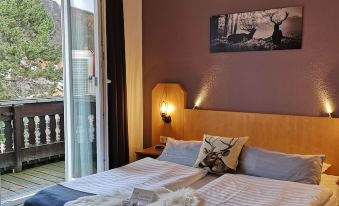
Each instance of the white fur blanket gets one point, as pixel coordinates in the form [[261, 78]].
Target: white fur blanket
[[183, 197]]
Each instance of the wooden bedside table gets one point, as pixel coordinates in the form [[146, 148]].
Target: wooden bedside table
[[148, 152]]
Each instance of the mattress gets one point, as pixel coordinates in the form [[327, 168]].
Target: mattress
[[146, 173], [241, 190]]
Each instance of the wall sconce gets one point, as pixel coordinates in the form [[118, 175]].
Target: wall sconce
[[165, 108]]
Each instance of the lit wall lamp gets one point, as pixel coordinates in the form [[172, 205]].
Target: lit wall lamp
[[165, 110], [329, 109]]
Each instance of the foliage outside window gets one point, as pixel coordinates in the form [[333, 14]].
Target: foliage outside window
[[30, 52]]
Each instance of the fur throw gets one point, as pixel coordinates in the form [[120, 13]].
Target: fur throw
[[183, 197]]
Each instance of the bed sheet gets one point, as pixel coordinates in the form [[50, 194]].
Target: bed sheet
[[241, 190], [146, 173]]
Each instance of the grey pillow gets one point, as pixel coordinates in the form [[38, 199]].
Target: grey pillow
[[281, 166], [181, 152]]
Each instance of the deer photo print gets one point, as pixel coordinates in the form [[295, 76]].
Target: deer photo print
[[273, 29]]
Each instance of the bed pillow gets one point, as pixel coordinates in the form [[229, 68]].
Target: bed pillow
[[220, 154], [181, 152], [281, 166]]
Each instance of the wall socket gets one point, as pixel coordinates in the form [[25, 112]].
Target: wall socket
[[163, 139]]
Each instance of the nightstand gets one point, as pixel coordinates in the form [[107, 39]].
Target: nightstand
[[148, 152]]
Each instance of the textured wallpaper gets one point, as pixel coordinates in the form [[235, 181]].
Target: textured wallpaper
[[296, 82]]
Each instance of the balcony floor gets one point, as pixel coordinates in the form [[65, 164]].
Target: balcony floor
[[29, 181]]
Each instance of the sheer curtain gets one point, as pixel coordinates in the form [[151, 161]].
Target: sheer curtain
[[133, 43], [83, 143]]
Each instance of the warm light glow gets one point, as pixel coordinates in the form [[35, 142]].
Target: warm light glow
[[328, 108], [207, 84], [197, 103], [202, 95], [166, 108], [171, 109], [323, 89], [163, 107]]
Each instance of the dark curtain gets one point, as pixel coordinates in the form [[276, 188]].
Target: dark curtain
[[116, 72]]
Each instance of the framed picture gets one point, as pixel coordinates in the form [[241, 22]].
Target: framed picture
[[273, 29]]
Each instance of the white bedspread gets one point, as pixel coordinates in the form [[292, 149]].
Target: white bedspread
[[241, 190], [147, 173]]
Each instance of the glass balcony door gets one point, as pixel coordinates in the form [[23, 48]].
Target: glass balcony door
[[84, 89]]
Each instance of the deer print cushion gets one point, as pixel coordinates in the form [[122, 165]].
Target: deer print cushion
[[220, 154]]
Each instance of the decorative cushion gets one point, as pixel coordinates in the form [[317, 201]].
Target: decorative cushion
[[281, 166], [181, 152], [220, 154]]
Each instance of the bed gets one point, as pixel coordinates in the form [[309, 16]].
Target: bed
[[147, 173], [326, 194]]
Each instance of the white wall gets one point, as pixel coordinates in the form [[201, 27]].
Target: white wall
[[133, 44]]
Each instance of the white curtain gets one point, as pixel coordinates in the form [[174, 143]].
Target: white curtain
[[133, 44], [82, 28]]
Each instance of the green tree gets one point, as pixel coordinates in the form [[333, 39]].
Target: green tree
[[27, 47]]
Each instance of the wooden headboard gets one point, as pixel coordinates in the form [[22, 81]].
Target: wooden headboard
[[284, 133]]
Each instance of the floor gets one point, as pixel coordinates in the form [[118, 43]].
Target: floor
[[18, 185]]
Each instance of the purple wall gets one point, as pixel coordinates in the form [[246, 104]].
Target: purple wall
[[176, 49]]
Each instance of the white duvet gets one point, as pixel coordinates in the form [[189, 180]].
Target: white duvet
[[147, 173], [241, 190]]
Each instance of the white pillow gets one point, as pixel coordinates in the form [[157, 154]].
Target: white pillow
[[220, 154]]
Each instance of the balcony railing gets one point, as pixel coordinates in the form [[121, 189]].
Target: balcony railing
[[30, 131]]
